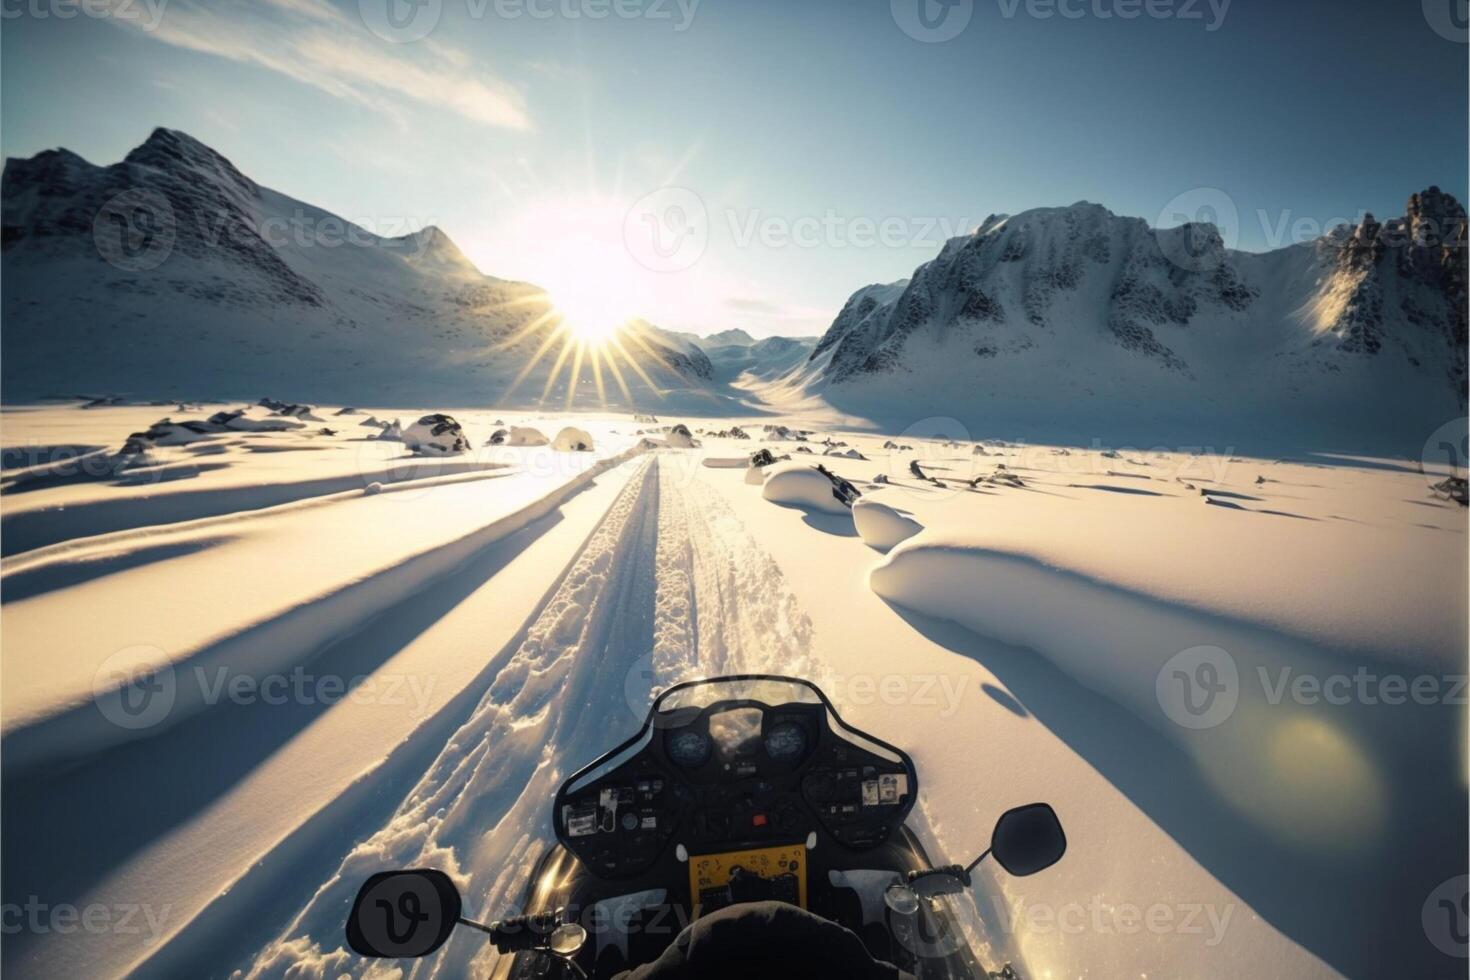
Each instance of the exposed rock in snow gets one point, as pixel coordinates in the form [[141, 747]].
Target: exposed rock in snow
[[166, 432], [347, 410], [254, 419], [392, 432], [844, 453], [882, 526], [1452, 488], [572, 440], [303, 412], [436, 435], [680, 437], [805, 486], [371, 422]]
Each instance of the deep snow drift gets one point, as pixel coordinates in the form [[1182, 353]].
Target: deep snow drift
[[360, 656]]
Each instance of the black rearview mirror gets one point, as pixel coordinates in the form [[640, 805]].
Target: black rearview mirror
[[1028, 839], [403, 914]]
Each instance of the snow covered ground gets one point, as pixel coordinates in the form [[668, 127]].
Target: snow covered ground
[[361, 658]]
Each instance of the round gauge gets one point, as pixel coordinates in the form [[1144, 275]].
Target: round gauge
[[689, 749], [786, 742]]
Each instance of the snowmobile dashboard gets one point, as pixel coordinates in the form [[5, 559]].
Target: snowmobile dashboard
[[730, 764]]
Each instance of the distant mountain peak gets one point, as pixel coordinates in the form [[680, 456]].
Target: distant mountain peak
[[170, 149], [734, 337], [171, 271], [1082, 301], [430, 247]]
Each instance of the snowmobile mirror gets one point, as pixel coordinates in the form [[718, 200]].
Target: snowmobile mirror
[[1028, 839], [403, 914], [933, 882]]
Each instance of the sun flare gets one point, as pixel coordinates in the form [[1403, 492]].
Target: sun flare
[[591, 318]]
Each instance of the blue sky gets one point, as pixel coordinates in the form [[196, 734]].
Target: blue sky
[[793, 150]]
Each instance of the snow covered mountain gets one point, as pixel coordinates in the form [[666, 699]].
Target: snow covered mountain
[[173, 274], [1061, 317]]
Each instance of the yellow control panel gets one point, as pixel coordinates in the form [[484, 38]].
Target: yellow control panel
[[784, 868]]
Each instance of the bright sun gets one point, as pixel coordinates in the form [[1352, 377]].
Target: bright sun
[[592, 316], [591, 288]]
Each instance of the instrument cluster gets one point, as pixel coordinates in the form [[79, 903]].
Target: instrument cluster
[[727, 775]]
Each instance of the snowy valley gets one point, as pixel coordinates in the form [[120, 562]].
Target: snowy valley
[[369, 652], [1012, 513]]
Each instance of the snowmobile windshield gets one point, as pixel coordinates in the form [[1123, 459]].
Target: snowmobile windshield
[[770, 691], [679, 704], [674, 706]]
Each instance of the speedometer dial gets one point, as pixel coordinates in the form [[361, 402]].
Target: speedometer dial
[[689, 749], [786, 742]]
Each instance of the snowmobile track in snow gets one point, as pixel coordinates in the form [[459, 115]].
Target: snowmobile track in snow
[[669, 586]]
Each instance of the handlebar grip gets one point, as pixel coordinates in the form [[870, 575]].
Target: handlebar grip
[[523, 932]]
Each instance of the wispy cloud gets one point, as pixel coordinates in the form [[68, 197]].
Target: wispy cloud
[[316, 44]]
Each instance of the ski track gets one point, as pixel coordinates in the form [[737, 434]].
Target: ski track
[[668, 587]]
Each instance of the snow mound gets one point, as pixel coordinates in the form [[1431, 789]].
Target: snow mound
[[254, 419], [436, 435], [803, 486], [881, 526], [518, 435], [726, 462], [572, 440], [755, 476], [680, 437]]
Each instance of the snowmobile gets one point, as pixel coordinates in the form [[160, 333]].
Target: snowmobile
[[743, 789]]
